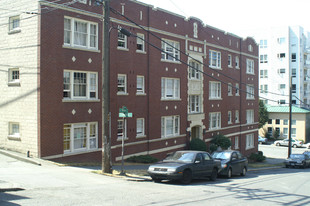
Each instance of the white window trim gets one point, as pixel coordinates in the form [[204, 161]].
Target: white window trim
[[230, 89], [175, 120], [124, 129], [142, 91], [237, 90], [250, 66], [250, 116], [237, 116], [16, 29], [143, 128], [79, 125], [72, 44], [237, 62], [218, 59], [125, 85], [230, 61], [71, 89], [217, 116], [250, 92], [140, 40], [196, 102], [175, 46], [176, 89], [194, 70], [236, 142], [229, 116], [12, 135], [215, 95], [12, 81], [125, 47], [249, 141]]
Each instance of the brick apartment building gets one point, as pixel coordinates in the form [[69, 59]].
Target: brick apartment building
[[51, 67]]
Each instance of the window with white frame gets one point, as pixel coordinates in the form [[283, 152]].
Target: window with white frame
[[121, 84], [249, 141], [237, 62], [264, 88], [263, 73], [229, 60], [121, 40], [171, 50], [194, 104], [82, 1], [250, 66], [215, 59], [170, 88], [249, 116], [170, 126], [140, 42], [237, 89], [214, 120], [14, 129], [237, 116], [13, 75], [80, 85], [80, 137], [263, 43], [121, 129], [285, 132], [250, 91], [229, 117], [236, 142], [14, 23], [263, 58], [140, 127], [230, 93], [194, 70], [294, 132], [214, 90], [80, 33], [140, 85]]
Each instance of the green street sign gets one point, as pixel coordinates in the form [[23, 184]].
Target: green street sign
[[123, 112]]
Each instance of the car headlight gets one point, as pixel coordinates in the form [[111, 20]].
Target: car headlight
[[171, 169], [224, 166]]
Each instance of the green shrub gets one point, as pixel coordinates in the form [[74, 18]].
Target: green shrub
[[197, 144], [221, 141], [142, 159], [213, 148], [257, 157]]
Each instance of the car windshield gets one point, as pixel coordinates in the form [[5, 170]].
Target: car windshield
[[297, 156], [181, 157], [221, 155]]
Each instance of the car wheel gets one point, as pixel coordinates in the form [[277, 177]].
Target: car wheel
[[213, 174], [278, 144], [156, 180], [243, 173], [229, 173], [187, 177], [295, 146]]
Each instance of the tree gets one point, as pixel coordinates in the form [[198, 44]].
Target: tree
[[263, 114], [220, 141]]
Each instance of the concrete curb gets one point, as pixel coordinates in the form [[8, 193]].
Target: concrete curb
[[20, 157]]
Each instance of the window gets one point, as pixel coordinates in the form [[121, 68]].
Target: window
[[80, 33], [263, 74], [170, 50], [249, 141], [250, 66], [294, 122], [264, 88], [237, 116], [294, 88], [140, 42], [237, 89], [250, 91], [237, 62], [277, 121], [249, 116], [80, 85], [269, 121], [14, 23], [282, 101], [214, 120], [194, 104], [215, 59], [250, 48], [229, 117], [194, 70], [285, 122], [14, 129], [121, 84], [214, 90], [285, 132], [236, 142], [121, 40], [80, 137], [293, 132], [14, 76], [281, 86], [121, 129], [140, 127], [140, 85], [294, 72], [170, 126], [269, 130], [263, 58], [281, 71], [281, 40], [293, 57], [229, 60], [229, 89], [170, 88], [281, 55], [263, 44]]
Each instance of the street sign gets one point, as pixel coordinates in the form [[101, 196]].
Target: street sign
[[123, 112]]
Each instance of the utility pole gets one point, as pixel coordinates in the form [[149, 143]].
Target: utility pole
[[106, 117], [290, 120]]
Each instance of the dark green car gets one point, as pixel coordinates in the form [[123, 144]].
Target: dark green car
[[232, 162], [185, 166]]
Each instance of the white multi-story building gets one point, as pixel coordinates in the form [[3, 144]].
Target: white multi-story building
[[284, 52]]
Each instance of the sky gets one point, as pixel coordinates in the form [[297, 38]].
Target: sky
[[241, 16]]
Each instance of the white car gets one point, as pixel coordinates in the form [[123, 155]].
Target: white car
[[285, 142]]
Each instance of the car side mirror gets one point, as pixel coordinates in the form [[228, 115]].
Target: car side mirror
[[197, 161], [233, 159]]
